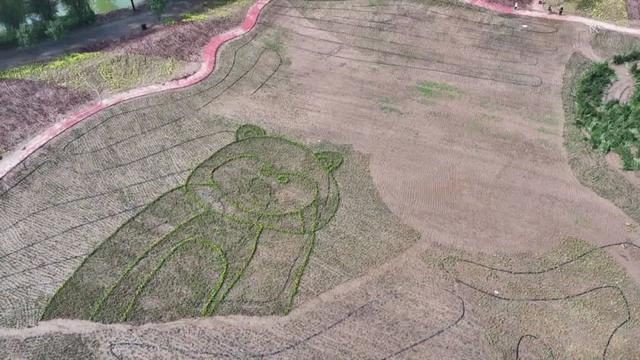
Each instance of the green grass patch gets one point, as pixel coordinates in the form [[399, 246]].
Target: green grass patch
[[431, 89], [215, 9], [544, 130], [35, 70], [613, 11], [193, 16], [607, 10], [169, 21], [389, 109]]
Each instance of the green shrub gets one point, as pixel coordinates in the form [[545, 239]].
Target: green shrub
[[46, 9], [54, 29], [12, 13], [80, 13], [29, 34], [157, 6], [633, 55], [8, 39], [612, 126]]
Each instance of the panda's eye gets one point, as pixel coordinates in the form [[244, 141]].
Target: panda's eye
[[283, 178]]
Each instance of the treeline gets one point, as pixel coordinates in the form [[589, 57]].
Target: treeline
[[612, 125], [29, 21]]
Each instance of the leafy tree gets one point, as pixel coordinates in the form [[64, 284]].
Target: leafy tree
[[157, 6], [54, 29], [45, 8], [80, 10], [12, 13]]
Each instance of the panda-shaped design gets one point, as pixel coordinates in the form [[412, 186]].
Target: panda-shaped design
[[234, 239]]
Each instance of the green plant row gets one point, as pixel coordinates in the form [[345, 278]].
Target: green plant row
[[612, 125], [27, 71], [633, 55], [142, 285]]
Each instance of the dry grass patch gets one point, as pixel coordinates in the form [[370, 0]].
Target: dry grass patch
[[100, 72], [573, 302]]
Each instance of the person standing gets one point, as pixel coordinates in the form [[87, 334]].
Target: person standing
[[515, 6], [560, 11]]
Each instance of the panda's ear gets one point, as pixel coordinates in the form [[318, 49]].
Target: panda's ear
[[329, 160], [248, 131]]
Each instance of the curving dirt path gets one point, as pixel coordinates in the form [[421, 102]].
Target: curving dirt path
[[14, 158]]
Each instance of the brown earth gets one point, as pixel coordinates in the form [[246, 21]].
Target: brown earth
[[633, 9], [29, 106], [460, 114], [183, 41]]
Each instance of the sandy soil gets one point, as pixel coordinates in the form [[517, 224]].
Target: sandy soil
[[476, 162]]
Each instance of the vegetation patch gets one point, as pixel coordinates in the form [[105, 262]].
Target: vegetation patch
[[99, 71], [612, 125], [590, 167], [236, 238], [607, 10], [431, 89], [215, 9]]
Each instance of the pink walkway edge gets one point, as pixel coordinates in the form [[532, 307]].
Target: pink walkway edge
[[210, 51], [487, 4]]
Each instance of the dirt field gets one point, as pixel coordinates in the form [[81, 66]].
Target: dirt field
[[461, 231]]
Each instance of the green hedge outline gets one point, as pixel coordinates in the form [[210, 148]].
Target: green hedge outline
[[212, 293], [212, 305]]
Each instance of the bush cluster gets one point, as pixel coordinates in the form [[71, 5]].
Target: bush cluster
[[633, 55], [611, 125]]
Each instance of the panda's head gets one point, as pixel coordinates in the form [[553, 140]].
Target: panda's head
[[272, 181]]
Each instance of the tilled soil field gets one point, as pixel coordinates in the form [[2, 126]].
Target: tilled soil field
[[460, 230]]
